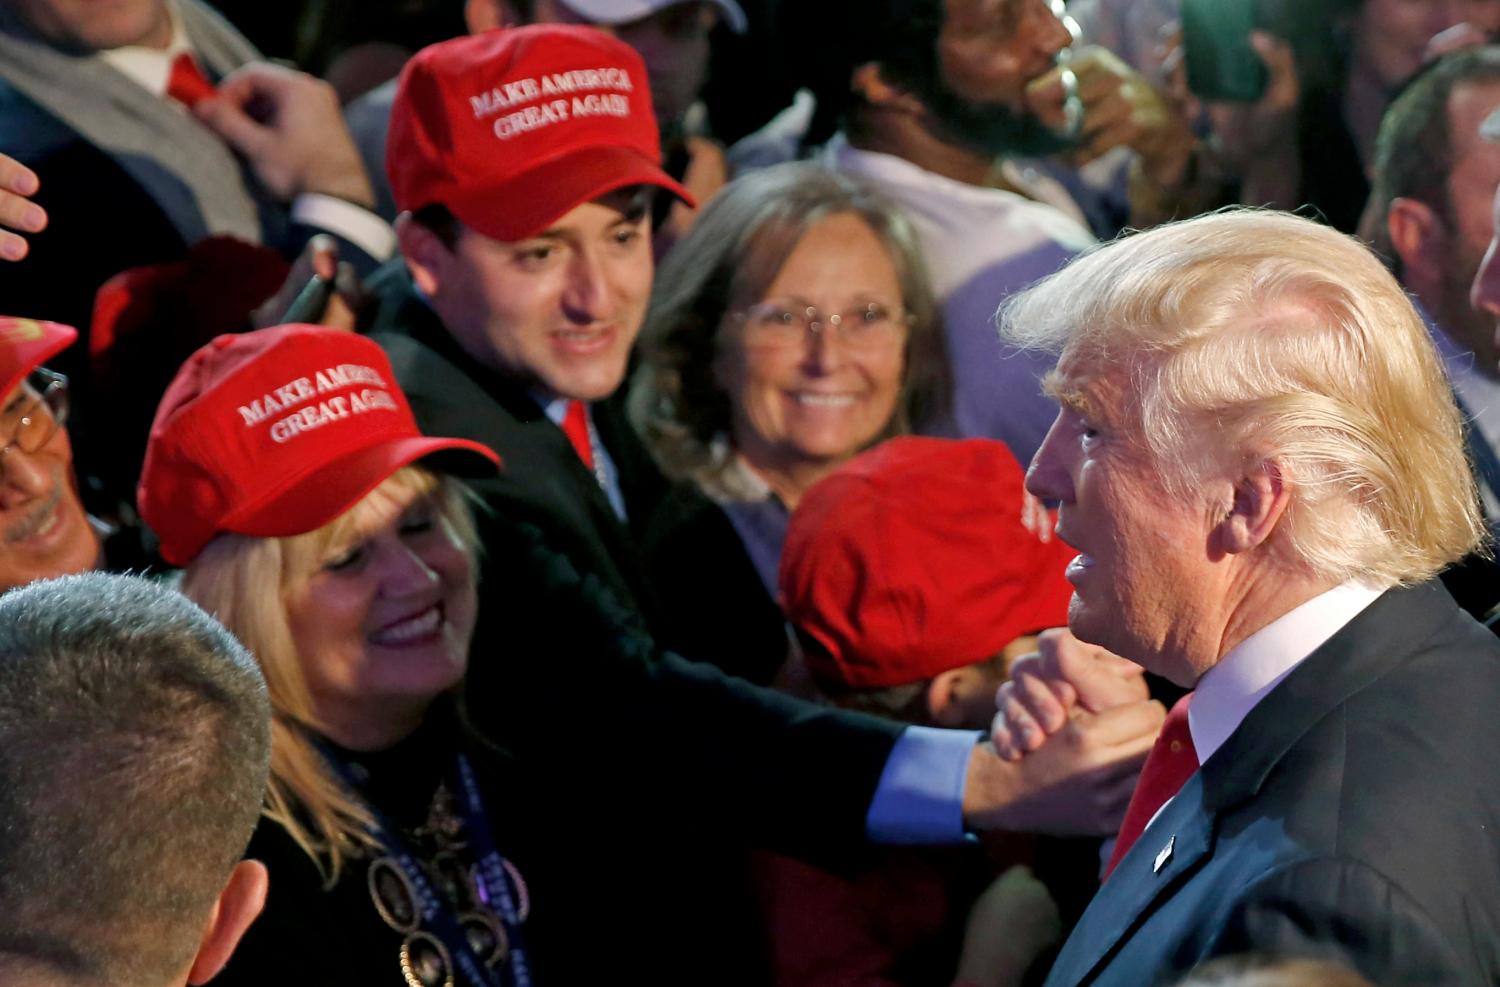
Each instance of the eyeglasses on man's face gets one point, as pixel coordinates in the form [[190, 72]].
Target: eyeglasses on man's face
[[34, 415], [785, 324]]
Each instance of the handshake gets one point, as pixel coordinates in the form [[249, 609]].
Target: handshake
[[1074, 724]]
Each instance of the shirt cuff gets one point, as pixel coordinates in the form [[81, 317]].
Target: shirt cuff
[[920, 795], [356, 224]]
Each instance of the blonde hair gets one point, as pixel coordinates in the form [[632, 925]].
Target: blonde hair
[[732, 254], [230, 579], [1247, 335]]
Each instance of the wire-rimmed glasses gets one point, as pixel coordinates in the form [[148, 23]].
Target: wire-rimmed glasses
[[775, 324], [41, 410]]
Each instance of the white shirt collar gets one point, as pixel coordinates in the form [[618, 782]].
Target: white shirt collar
[[555, 408], [150, 67], [1227, 693]]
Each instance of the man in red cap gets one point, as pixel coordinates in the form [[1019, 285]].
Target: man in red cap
[[523, 162], [44, 531]]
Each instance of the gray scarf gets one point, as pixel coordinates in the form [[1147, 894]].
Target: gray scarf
[[186, 168]]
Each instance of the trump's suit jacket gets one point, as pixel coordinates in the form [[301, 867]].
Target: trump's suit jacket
[[1354, 814]]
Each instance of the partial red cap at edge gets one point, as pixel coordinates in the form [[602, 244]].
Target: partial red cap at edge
[[26, 344]]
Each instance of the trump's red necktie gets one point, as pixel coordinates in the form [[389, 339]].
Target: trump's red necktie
[[1172, 761]]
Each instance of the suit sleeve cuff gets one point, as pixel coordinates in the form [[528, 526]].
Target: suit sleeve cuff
[[920, 795], [356, 224]]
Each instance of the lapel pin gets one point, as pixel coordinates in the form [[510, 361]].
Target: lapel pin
[[1163, 855]]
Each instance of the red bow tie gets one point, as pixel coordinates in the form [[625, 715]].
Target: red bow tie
[[187, 84]]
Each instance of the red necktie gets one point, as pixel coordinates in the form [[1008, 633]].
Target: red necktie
[[187, 84], [1172, 761], [575, 426]]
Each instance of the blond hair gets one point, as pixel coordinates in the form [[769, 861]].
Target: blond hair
[[1248, 335], [229, 579]]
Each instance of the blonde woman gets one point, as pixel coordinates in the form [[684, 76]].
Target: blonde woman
[[286, 474]]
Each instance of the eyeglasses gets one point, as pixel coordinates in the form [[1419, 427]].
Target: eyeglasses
[[34, 423], [779, 325]]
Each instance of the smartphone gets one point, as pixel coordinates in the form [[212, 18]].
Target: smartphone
[[310, 302], [1221, 65]]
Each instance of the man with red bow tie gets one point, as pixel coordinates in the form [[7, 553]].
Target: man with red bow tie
[[152, 124]]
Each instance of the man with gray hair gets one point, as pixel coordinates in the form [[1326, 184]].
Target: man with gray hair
[[134, 745], [1260, 461]]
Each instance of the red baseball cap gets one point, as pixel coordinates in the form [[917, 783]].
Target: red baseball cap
[[510, 129], [912, 559], [26, 344], [277, 432]]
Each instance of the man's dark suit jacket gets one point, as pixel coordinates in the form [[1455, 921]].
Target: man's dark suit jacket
[[1354, 814]]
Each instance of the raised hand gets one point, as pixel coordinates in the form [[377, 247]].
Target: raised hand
[[17, 212]]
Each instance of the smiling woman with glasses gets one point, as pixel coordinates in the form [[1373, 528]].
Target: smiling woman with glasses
[[791, 329]]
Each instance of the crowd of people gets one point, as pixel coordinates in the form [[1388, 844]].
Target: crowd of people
[[527, 508]]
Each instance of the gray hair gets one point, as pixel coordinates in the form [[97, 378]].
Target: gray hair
[[731, 255], [134, 745]]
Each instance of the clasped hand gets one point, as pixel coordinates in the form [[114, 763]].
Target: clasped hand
[[1074, 726]]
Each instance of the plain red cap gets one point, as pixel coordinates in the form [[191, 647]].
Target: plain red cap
[[510, 129], [912, 559], [26, 344], [277, 432]]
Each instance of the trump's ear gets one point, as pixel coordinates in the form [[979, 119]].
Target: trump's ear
[[1261, 496]]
